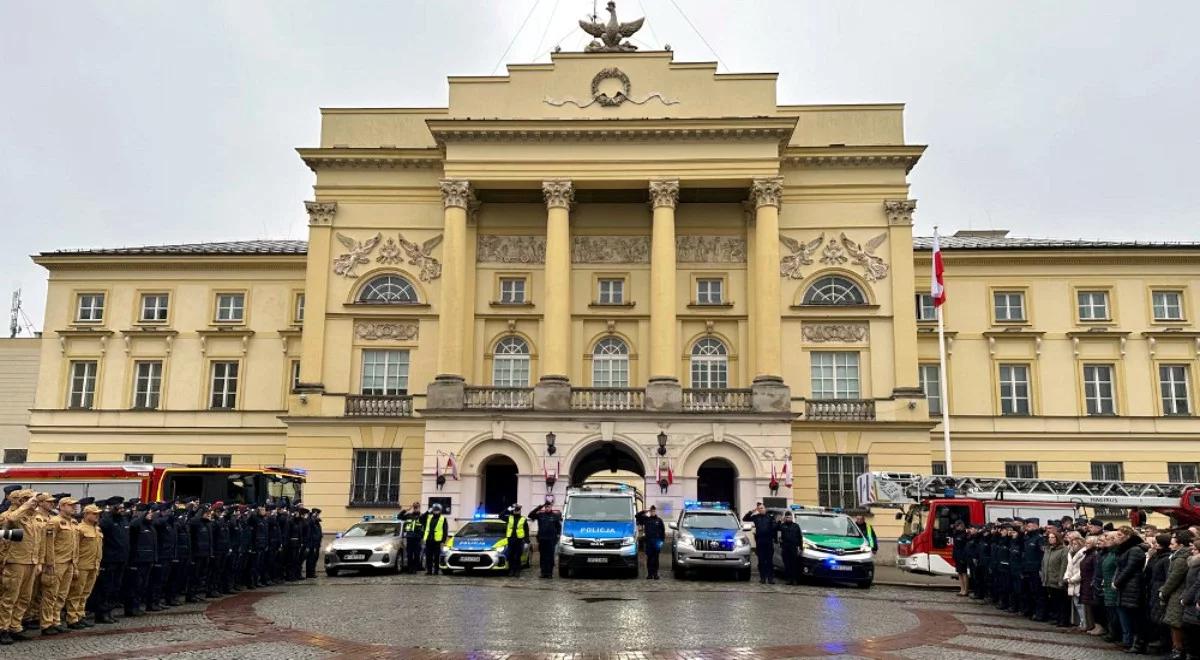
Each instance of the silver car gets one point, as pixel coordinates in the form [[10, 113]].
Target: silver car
[[369, 544], [709, 536]]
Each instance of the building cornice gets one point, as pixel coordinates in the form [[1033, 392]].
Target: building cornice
[[778, 129], [883, 155], [368, 158]]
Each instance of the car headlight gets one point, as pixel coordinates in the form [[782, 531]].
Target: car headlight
[[566, 539], [741, 542], [382, 548], [686, 539], [628, 541], [328, 549], [809, 544]]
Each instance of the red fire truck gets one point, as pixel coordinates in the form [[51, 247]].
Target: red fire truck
[[931, 505], [157, 482]]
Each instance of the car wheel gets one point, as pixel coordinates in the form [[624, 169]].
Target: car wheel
[[331, 572], [632, 573], [744, 575], [564, 571], [678, 571], [865, 584]]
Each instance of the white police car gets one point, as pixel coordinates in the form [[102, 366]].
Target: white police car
[[372, 543], [480, 545], [708, 535], [834, 548]]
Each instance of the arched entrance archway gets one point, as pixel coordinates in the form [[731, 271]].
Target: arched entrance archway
[[498, 483], [608, 461], [716, 481]]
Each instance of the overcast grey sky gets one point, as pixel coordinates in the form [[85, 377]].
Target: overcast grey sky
[[127, 123]]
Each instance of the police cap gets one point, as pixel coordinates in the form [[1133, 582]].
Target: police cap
[[12, 488], [115, 500], [1033, 521], [1096, 521], [87, 501], [59, 496], [133, 502], [1017, 519], [1004, 520], [316, 511]]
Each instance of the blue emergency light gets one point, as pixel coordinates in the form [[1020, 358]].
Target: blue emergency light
[[369, 516], [697, 504]]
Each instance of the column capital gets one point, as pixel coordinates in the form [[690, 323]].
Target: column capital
[[767, 191], [664, 192], [320, 213], [559, 193], [456, 192], [899, 211]]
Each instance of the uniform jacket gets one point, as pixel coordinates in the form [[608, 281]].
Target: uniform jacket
[[22, 552], [200, 529], [91, 546], [164, 533], [66, 541], [549, 523], [260, 533], [315, 533], [46, 534], [791, 537], [116, 537], [143, 542], [273, 532], [183, 539], [1054, 566], [220, 536], [653, 529], [1031, 553], [764, 527], [1173, 587], [1131, 559]]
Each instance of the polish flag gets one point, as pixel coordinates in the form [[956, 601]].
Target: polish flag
[[670, 474], [938, 287], [452, 466], [787, 474]]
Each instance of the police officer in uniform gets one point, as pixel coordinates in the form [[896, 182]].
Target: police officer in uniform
[[274, 542], [143, 555], [516, 532], [160, 573], [434, 535], [1031, 566], [764, 539], [313, 544], [791, 539], [115, 527], [295, 545], [181, 568], [258, 550], [200, 530], [414, 535], [217, 563], [90, 542], [549, 528], [654, 532]]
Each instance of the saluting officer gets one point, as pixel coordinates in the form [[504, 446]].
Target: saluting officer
[[791, 539], [654, 532], [414, 535], [181, 568], [112, 563], [549, 529], [764, 540], [200, 529], [160, 573], [143, 555], [258, 559], [220, 550], [434, 524], [313, 544], [16, 586], [46, 579], [516, 531], [90, 542], [62, 552]]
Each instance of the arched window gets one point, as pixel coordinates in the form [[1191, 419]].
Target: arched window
[[510, 363], [710, 365], [388, 290], [834, 290], [610, 363]]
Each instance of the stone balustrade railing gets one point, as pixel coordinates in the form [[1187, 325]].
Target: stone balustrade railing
[[839, 410], [498, 398], [607, 398], [718, 401], [362, 405]]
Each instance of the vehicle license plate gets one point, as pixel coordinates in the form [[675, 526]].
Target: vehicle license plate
[[469, 559], [713, 555], [597, 560], [355, 556], [839, 567]]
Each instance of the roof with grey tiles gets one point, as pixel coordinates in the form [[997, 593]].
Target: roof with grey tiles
[[264, 247]]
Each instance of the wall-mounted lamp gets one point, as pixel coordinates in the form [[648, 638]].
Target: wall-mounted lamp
[[662, 443], [550, 448]]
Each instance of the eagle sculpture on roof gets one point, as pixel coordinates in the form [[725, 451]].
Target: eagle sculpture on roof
[[609, 35]]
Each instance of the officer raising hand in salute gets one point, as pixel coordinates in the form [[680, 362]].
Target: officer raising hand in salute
[[654, 532], [764, 540]]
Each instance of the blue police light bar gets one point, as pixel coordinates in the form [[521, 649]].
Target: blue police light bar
[[689, 505], [797, 507], [369, 516]]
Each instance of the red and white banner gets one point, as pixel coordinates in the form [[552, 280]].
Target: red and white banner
[[787, 473], [938, 282]]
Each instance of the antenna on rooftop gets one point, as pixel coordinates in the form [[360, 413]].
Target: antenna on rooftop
[[17, 319]]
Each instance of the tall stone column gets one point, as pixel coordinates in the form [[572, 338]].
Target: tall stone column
[[316, 294], [457, 199], [664, 354], [556, 336], [766, 194], [899, 214]]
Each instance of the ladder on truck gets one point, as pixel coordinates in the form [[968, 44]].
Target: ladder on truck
[[899, 489]]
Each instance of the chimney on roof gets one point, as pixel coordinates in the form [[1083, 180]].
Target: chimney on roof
[[981, 233]]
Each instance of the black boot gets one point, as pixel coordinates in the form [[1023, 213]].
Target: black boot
[[5, 638]]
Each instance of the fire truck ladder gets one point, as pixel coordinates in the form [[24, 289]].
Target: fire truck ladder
[[903, 488]]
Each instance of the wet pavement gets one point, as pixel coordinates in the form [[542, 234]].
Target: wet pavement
[[402, 616]]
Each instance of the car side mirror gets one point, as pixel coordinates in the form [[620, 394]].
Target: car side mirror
[[747, 527], [672, 525]]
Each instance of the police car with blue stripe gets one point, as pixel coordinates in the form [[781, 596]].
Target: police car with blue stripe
[[479, 545], [600, 529], [708, 536]]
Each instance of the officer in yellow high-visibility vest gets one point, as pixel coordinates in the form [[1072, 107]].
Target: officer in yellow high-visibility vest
[[434, 524], [868, 531], [516, 531]]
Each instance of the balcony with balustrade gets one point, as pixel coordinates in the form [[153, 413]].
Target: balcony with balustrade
[[361, 405], [839, 410]]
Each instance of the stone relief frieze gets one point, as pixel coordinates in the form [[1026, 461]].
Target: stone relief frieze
[[874, 268], [357, 254], [422, 257], [372, 330], [790, 265], [710, 249], [610, 249], [494, 249], [842, 333]]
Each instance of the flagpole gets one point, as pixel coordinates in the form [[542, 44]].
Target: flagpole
[[942, 381]]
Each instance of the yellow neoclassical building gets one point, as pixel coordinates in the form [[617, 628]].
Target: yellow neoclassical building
[[610, 264]]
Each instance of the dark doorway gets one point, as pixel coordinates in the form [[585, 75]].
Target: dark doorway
[[607, 461], [499, 484], [716, 481]]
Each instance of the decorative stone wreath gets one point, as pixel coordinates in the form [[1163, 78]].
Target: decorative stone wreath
[[611, 73]]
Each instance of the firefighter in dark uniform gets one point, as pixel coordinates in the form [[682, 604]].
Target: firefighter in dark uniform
[[312, 544], [220, 550], [414, 535], [274, 542], [764, 540], [181, 567], [200, 529], [516, 534], [1001, 564], [434, 535], [143, 555], [295, 545], [983, 564], [1031, 567], [257, 561], [654, 532], [1016, 541], [114, 554], [160, 573], [549, 528], [791, 539]]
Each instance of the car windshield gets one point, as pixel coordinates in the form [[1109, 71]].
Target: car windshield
[[599, 508], [474, 530], [828, 525], [373, 529], [710, 521]]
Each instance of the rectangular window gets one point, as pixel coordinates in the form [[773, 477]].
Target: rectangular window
[[835, 375], [294, 381], [512, 290], [72, 457], [298, 309], [139, 458], [1009, 306], [216, 460], [1093, 305], [154, 308], [231, 307], [1108, 471], [90, 308], [925, 308], [147, 383], [83, 384], [938, 468], [836, 475], [1168, 305], [709, 291], [1173, 384], [384, 373], [1020, 470], [16, 455], [1098, 389], [930, 377], [375, 479], [224, 386], [1014, 389], [611, 292], [1183, 473]]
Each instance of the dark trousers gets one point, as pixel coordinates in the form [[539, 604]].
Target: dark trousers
[[512, 553], [433, 556], [791, 563], [216, 565], [108, 587], [766, 561], [546, 550], [136, 586], [310, 561], [199, 577], [262, 559], [1058, 606], [412, 552], [653, 548], [181, 570], [160, 574], [1035, 596], [980, 580]]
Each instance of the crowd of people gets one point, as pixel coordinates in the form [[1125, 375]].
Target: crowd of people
[[1135, 587], [71, 564]]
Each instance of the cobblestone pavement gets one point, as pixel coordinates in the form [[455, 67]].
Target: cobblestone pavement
[[386, 616]]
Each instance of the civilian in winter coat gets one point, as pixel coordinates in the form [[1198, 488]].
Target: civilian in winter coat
[[1109, 560], [1053, 573], [1091, 597], [1169, 595], [1076, 553], [1190, 602], [1131, 560], [1158, 556]]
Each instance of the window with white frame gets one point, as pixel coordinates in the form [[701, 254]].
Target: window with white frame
[[1168, 305], [1021, 470], [139, 458], [1093, 305], [388, 290], [710, 291], [294, 371], [82, 393], [610, 363], [938, 468], [512, 290], [223, 393], [154, 308], [1009, 306], [834, 290], [231, 307], [72, 457], [375, 477], [611, 291], [836, 475], [89, 308], [930, 377], [835, 375], [1108, 471], [147, 383], [298, 309], [926, 310], [1183, 473], [385, 372], [1175, 389], [1014, 389], [216, 460], [1098, 389], [710, 364], [510, 363]]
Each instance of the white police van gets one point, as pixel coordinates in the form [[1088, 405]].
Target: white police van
[[599, 529], [708, 535]]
